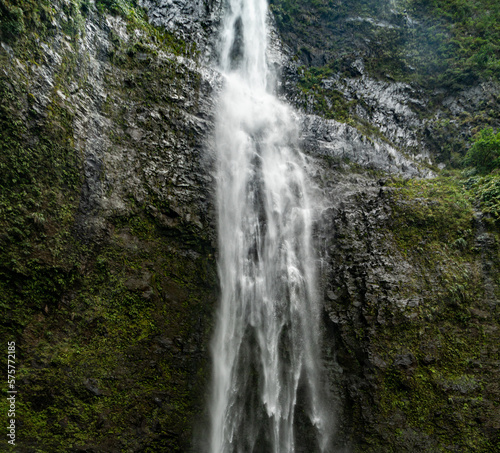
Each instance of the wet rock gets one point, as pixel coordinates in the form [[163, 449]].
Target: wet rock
[[92, 386], [196, 21], [404, 360], [341, 141]]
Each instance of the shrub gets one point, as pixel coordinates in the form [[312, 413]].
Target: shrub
[[484, 154]]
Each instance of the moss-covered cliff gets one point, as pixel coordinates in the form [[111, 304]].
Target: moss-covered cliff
[[412, 318], [108, 279], [438, 60], [107, 272]]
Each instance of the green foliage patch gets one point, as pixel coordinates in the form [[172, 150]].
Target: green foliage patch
[[483, 161], [484, 154], [469, 47], [486, 190], [436, 210]]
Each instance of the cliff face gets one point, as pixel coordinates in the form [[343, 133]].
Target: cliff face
[[107, 270], [411, 315], [108, 273], [421, 73]]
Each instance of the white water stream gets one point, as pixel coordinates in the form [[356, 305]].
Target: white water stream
[[265, 349]]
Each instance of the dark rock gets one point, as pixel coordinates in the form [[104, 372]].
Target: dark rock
[[404, 360], [91, 385]]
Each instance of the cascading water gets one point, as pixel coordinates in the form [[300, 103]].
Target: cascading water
[[265, 348]]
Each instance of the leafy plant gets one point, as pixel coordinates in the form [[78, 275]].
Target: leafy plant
[[486, 190], [484, 155]]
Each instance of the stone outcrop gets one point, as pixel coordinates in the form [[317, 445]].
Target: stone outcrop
[[195, 21], [342, 142], [113, 298]]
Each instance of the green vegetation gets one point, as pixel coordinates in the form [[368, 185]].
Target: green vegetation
[[486, 190], [111, 356], [484, 154], [11, 20], [477, 185], [450, 43], [107, 360], [122, 7], [413, 301], [438, 47], [467, 48], [329, 103], [483, 162], [39, 190], [436, 210]]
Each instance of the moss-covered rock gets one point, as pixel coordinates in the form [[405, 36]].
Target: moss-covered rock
[[412, 309], [107, 271], [423, 74], [107, 268]]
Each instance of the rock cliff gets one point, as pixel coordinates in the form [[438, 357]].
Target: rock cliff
[[108, 259], [108, 272]]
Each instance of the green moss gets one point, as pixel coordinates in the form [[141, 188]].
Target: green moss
[[39, 185], [103, 362], [432, 213], [149, 41], [438, 381], [441, 395], [436, 43], [328, 103]]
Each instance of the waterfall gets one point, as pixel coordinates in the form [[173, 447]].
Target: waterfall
[[265, 348]]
